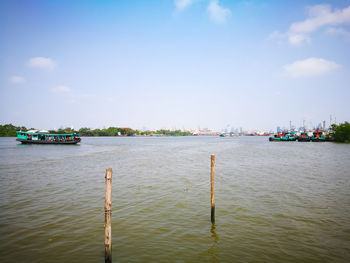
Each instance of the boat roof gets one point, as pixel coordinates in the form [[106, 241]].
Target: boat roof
[[32, 131], [37, 132]]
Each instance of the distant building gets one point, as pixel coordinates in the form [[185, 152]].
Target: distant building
[[206, 131]]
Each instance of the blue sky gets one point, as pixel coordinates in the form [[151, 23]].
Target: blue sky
[[166, 64]]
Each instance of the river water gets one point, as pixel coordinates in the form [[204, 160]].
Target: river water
[[275, 201]]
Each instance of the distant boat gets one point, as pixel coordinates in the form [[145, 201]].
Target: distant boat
[[290, 137], [303, 137], [283, 137], [318, 136], [276, 137], [44, 137]]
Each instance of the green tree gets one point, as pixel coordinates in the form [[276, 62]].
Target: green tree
[[341, 132], [9, 130]]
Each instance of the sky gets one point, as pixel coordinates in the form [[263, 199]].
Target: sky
[[174, 63]]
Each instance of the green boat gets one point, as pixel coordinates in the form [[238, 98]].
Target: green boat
[[304, 137], [289, 137], [318, 136], [276, 137], [283, 137], [44, 137]]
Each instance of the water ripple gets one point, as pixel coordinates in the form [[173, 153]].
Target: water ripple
[[274, 202]]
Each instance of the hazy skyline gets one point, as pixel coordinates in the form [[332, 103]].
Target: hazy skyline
[[182, 63]]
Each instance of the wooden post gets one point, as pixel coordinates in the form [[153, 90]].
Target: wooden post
[[212, 188], [108, 214]]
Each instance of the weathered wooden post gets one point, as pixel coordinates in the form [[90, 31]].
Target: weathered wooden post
[[108, 214], [212, 188]]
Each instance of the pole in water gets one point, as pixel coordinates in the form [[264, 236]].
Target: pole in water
[[212, 189], [108, 215]]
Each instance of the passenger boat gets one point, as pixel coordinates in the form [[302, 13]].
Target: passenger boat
[[44, 137], [318, 136]]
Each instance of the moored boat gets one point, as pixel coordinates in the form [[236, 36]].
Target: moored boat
[[318, 136], [289, 137], [283, 137], [303, 137], [44, 137], [276, 137]]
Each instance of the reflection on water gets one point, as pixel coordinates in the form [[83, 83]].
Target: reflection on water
[[284, 202], [212, 249], [213, 233]]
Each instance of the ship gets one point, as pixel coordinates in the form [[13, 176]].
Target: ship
[[44, 137], [318, 136]]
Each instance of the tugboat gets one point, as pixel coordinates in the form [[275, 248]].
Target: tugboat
[[283, 137], [44, 137], [276, 137], [303, 137], [289, 137], [318, 136]]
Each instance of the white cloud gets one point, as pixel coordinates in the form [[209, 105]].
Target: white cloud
[[17, 79], [309, 67], [338, 32], [182, 4], [61, 89], [217, 13], [318, 16], [41, 62], [321, 15], [297, 39]]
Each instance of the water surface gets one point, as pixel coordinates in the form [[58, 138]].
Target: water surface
[[275, 202]]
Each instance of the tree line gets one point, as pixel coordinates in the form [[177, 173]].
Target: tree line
[[341, 132], [9, 130]]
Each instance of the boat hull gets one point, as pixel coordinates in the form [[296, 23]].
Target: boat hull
[[317, 140], [24, 141], [274, 139], [286, 139], [304, 139]]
